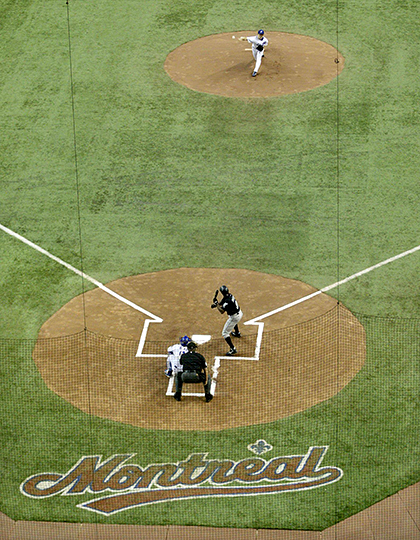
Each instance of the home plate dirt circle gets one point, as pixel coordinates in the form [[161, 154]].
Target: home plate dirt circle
[[308, 352], [220, 65]]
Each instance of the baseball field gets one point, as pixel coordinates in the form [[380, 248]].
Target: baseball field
[[141, 168]]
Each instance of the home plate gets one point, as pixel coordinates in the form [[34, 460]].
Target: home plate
[[200, 338]]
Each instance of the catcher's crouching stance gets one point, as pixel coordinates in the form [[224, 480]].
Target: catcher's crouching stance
[[194, 370]]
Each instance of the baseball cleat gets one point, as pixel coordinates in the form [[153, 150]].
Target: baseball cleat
[[209, 397], [168, 373], [255, 73], [177, 397], [231, 352], [236, 334]]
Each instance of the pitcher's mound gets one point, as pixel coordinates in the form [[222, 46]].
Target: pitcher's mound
[[218, 64]]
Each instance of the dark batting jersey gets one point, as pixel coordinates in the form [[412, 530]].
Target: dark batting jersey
[[193, 361], [230, 305]]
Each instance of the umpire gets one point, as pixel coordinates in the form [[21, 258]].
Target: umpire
[[194, 370]]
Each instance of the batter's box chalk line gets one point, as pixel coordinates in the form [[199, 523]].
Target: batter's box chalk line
[[215, 371], [155, 319]]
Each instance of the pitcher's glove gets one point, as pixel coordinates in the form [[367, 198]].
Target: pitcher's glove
[[259, 48], [214, 304]]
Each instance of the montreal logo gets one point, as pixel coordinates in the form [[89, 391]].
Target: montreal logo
[[128, 485]]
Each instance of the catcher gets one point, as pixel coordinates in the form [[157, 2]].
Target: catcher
[[258, 43], [229, 305], [174, 354]]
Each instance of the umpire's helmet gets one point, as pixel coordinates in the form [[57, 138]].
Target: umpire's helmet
[[191, 346], [184, 340], [224, 290]]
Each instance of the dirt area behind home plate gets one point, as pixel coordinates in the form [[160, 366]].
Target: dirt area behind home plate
[[308, 353], [218, 64]]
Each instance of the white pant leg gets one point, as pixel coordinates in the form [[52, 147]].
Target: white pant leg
[[258, 57], [230, 323], [173, 363], [176, 366]]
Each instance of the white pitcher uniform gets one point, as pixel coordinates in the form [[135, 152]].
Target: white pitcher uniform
[[257, 41]]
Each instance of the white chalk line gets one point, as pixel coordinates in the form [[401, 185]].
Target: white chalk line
[[334, 285], [216, 364], [156, 319], [80, 273], [170, 390]]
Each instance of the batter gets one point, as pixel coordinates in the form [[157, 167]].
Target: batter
[[230, 306]]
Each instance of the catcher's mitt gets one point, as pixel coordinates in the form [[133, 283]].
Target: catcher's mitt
[[260, 48]]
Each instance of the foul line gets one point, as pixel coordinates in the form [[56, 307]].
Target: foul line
[[79, 273], [334, 285], [156, 319]]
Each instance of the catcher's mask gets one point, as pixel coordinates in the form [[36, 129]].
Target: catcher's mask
[[224, 290]]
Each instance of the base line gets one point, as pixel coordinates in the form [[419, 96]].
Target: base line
[[79, 273], [158, 319], [334, 285]]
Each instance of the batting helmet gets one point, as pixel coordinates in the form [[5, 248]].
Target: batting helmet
[[224, 290], [261, 32], [184, 340]]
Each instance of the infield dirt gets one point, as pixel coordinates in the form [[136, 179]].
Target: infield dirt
[[308, 352]]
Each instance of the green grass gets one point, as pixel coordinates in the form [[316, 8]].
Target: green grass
[[155, 159], [364, 426], [171, 178]]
